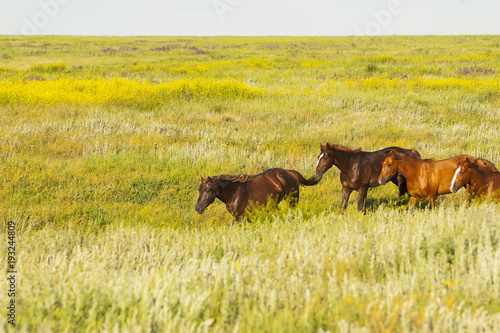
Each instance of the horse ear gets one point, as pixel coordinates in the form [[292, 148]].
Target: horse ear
[[394, 155], [213, 185], [322, 147]]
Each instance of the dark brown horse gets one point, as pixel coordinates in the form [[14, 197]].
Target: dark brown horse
[[482, 180], [425, 178], [359, 170], [243, 192]]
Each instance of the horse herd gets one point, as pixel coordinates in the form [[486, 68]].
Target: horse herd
[[359, 170]]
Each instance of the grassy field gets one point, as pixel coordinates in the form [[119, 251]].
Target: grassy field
[[103, 141]]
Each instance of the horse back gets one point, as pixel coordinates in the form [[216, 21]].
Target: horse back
[[438, 175], [410, 152], [275, 183], [446, 168], [366, 167], [373, 160]]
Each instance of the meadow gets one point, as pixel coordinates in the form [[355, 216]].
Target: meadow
[[103, 142]]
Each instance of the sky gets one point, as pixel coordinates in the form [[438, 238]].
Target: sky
[[249, 17]]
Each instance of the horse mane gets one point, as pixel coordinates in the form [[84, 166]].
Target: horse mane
[[343, 148], [239, 178]]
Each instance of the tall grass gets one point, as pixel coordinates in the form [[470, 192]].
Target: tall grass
[[388, 271]]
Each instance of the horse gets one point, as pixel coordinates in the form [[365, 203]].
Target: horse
[[480, 179], [424, 178], [359, 170], [242, 193]]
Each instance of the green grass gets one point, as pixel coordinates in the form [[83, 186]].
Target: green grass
[[103, 190]]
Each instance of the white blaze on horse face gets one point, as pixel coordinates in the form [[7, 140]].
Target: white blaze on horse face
[[321, 156], [455, 178]]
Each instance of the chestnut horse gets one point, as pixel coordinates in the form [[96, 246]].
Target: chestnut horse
[[359, 170], [243, 192], [424, 178], [481, 180]]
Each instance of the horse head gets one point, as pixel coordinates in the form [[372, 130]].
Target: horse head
[[325, 161], [208, 191], [462, 174], [484, 164], [389, 167]]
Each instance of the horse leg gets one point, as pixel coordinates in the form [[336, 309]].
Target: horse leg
[[403, 189], [362, 198], [238, 216], [413, 202], [346, 192], [294, 198], [432, 200], [238, 212], [290, 192], [470, 195]]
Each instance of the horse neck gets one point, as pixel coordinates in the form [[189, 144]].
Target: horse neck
[[478, 177], [343, 159], [408, 164], [227, 190]]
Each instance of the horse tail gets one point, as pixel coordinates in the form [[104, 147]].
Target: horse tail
[[415, 153], [307, 182]]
